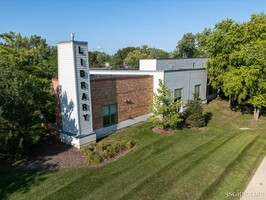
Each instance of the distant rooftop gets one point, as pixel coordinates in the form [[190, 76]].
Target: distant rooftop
[[172, 64]]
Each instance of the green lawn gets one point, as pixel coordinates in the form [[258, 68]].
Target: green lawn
[[189, 164]]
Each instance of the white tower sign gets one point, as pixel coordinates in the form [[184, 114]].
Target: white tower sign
[[75, 93]]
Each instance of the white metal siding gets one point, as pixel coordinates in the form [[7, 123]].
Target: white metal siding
[[187, 80], [67, 88]]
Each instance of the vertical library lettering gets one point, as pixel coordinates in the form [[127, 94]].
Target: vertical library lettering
[[84, 88]]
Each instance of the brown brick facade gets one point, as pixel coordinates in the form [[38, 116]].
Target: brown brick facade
[[57, 102], [133, 96]]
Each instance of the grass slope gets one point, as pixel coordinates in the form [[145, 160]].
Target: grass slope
[[190, 164]]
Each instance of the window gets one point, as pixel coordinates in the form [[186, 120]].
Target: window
[[197, 90], [80, 50], [178, 94], [110, 116]]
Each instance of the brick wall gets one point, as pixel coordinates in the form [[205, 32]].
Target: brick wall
[[57, 102], [133, 96]]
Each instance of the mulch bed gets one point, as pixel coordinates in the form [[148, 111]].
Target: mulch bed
[[167, 131], [50, 154]]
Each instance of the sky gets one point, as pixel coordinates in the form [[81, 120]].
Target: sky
[[109, 25]]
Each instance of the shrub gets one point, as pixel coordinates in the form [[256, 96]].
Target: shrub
[[165, 109], [98, 152], [194, 112]]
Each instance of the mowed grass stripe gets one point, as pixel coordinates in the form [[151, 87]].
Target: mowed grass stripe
[[178, 168], [158, 158], [246, 163], [189, 164], [172, 159], [194, 183]]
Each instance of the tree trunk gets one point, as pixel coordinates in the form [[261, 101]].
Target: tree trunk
[[256, 113]]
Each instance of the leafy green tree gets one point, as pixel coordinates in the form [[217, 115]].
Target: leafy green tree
[[202, 40], [98, 59], [186, 47], [26, 69], [155, 53], [133, 58], [164, 108], [257, 102], [143, 52], [117, 60], [194, 112], [237, 60]]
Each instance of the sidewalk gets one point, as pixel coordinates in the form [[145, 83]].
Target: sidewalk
[[256, 189]]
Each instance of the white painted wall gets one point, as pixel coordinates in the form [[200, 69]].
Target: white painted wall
[[67, 88], [147, 65]]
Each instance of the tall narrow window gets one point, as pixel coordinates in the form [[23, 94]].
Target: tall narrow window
[[80, 50], [197, 90], [110, 115], [178, 94]]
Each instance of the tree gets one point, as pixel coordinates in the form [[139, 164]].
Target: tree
[[202, 40], [130, 56], [164, 109], [257, 102], [98, 59], [237, 60], [194, 112], [26, 69], [186, 47], [117, 60], [155, 53], [143, 52], [133, 58]]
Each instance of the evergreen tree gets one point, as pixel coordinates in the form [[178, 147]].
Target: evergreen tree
[[194, 112], [164, 110]]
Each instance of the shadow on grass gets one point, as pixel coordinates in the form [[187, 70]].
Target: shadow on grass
[[207, 117], [19, 181], [20, 176]]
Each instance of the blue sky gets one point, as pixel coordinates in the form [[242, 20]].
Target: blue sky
[[109, 25]]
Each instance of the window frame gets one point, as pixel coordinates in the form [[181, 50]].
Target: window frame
[[176, 99], [199, 86], [110, 115], [181, 91]]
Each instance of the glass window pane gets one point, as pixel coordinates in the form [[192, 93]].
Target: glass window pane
[[178, 93], [106, 120], [106, 111], [113, 109], [197, 88], [113, 119]]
